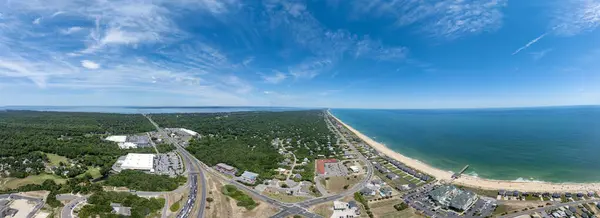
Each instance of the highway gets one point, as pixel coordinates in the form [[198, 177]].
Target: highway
[[549, 207], [193, 166]]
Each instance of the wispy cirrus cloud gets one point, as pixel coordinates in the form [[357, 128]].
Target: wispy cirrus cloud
[[275, 78], [537, 55], [573, 17], [570, 18], [327, 46], [136, 42], [450, 19]]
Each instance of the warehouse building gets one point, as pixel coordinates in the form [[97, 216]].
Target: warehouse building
[[135, 161]]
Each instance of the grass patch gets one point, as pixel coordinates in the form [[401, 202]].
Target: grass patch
[[324, 209], [337, 184], [175, 207], [55, 160], [286, 198], [12, 183], [243, 200], [93, 171]]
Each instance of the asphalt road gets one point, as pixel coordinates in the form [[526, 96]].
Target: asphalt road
[[549, 207], [67, 210], [301, 206], [194, 168]]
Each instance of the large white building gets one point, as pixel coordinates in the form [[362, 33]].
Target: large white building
[[135, 161]]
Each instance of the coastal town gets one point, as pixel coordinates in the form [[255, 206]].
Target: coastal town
[[329, 171]]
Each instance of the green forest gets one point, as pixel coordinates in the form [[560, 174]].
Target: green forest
[[99, 204], [244, 139], [141, 181], [77, 136]]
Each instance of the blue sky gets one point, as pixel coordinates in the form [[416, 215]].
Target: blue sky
[[330, 53]]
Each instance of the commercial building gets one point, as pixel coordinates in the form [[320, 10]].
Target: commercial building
[[321, 165], [120, 210], [450, 197], [224, 168], [189, 132], [135, 161], [354, 169], [345, 210], [249, 177]]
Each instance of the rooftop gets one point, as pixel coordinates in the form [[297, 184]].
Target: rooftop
[[135, 161], [249, 175]]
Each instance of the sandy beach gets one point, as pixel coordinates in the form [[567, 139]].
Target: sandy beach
[[471, 181]]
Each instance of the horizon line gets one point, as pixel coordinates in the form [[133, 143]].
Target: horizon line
[[306, 107]]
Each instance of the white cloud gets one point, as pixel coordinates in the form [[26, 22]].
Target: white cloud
[[71, 30], [540, 54], [529, 43], [37, 20], [310, 69], [276, 78], [90, 64], [573, 17], [444, 19]]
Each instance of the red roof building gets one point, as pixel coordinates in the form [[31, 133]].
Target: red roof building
[[321, 165]]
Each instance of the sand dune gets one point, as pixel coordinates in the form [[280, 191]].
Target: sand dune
[[475, 182]]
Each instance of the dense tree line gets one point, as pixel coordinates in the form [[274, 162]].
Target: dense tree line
[[141, 181], [244, 139], [77, 136], [99, 204]]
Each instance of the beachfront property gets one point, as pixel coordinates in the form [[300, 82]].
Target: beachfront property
[[392, 176], [406, 169], [226, 169], [248, 177], [345, 210], [451, 197]]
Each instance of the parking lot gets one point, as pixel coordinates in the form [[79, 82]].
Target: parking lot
[[335, 169], [168, 164], [419, 199]]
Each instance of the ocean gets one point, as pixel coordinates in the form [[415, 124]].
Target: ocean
[[551, 144], [147, 110]]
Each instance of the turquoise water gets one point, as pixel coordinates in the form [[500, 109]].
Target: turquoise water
[[554, 144]]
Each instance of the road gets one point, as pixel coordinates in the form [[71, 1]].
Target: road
[[549, 207], [67, 210], [194, 169], [298, 208], [293, 165]]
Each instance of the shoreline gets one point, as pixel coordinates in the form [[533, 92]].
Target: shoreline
[[471, 181]]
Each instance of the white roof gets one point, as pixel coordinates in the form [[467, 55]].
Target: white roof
[[339, 205], [189, 132], [117, 138], [135, 161], [127, 145], [354, 168]]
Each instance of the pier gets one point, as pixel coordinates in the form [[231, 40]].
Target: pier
[[456, 175]]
